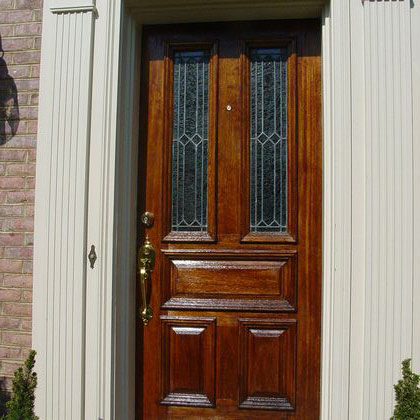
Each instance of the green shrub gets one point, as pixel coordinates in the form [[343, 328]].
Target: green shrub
[[407, 395], [21, 405]]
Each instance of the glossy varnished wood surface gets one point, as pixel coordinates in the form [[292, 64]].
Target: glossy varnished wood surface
[[236, 326]]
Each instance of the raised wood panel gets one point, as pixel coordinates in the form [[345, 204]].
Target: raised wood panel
[[188, 361], [217, 277], [212, 281], [267, 363]]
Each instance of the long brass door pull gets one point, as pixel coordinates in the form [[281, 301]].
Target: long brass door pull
[[146, 262]]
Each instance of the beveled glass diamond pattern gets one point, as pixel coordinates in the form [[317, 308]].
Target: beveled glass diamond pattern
[[190, 141], [268, 140]]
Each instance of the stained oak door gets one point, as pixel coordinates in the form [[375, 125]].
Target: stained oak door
[[230, 167]]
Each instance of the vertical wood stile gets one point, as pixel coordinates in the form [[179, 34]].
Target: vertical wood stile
[[337, 210], [107, 197]]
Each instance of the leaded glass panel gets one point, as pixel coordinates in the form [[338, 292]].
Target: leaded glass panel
[[268, 140], [190, 141]]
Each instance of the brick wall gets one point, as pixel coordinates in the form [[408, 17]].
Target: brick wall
[[20, 31]]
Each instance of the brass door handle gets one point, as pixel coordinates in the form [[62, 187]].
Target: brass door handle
[[146, 262]]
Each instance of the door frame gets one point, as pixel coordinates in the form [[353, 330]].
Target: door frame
[[340, 284], [107, 372]]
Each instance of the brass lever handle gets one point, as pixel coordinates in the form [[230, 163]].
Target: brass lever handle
[[146, 261]]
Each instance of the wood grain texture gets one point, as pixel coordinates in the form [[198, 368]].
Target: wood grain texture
[[267, 363], [263, 295], [188, 361], [225, 280]]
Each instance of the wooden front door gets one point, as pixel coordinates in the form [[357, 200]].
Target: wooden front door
[[231, 169]]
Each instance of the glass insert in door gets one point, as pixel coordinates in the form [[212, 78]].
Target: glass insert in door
[[268, 140], [189, 206]]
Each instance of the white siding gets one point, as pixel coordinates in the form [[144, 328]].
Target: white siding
[[371, 318], [389, 202]]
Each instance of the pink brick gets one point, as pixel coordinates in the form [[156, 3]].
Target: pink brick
[[14, 44], [9, 352], [18, 252], [37, 43], [12, 155], [9, 368], [15, 197], [28, 4], [11, 238], [30, 183], [13, 225], [13, 338], [18, 280], [20, 29], [12, 182], [37, 15], [29, 211], [32, 153], [28, 29], [11, 210], [16, 16], [10, 295], [30, 84], [7, 57], [28, 113], [34, 96], [22, 128], [6, 30], [6, 4], [25, 353], [20, 72], [8, 323], [29, 239], [31, 126], [21, 142], [21, 169], [27, 325], [27, 267], [23, 99], [35, 73], [10, 266], [27, 296], [26, 57], [20, 309]]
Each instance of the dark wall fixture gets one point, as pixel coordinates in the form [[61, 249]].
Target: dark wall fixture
[[9, 106]]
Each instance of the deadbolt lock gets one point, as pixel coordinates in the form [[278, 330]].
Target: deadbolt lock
[[148, 218]]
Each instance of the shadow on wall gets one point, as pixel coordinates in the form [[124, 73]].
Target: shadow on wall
[[9, 105], [4, 397]]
